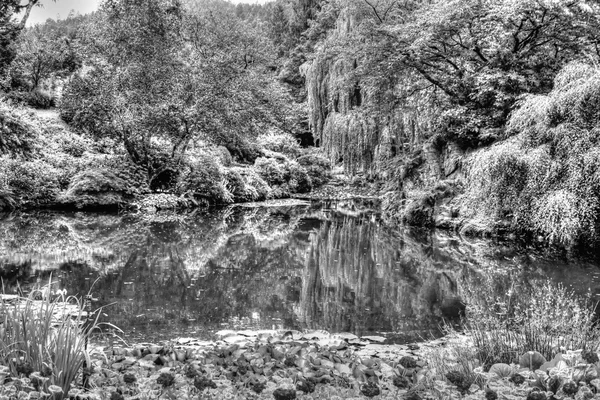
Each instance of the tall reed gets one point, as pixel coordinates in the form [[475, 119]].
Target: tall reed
[[546, 318], [47, 336]]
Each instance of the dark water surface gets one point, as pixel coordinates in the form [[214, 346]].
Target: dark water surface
[[279, 267]]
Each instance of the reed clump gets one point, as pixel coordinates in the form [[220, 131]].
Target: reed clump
[[45, 339], [542, 317]]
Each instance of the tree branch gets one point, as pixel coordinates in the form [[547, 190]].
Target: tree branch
[[374, 10], [28, 8]]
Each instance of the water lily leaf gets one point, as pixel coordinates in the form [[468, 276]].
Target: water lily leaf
[[561, 369], [501, 370], [551, 364], [316, 335], [532, 360], [359, 375], [343, 369], [378, 339], [346, 336]]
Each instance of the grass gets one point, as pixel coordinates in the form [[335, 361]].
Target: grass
[[48, 337], [544, 317]]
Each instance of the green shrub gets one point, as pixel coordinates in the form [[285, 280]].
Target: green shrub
[[236, 186], [7, 199], [272, 171], [17, 133], [94, 181], [203, 180], [498, 175], [82, 107], [37, 98], [546, 179], [562, 216], [241, 149], [256, 187], [33, 182], [224, 156], [298, 179], [73, 144], [317, 167], [280, 142], [98, 188], [280, 191], [134, 176]]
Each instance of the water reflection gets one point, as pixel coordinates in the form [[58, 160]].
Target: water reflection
[[286, 267]]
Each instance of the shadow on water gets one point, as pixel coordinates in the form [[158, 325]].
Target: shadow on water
[[320, 266]]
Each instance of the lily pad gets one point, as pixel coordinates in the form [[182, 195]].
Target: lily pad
[[532, 360], [501, 370]]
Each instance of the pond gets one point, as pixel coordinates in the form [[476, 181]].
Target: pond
[[283, 266]]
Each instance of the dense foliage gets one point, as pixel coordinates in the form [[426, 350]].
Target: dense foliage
[[208, 101], [182, 93], [547, 177], [390, 76]]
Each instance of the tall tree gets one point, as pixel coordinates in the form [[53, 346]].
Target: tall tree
[[169, 74], [13, 18]]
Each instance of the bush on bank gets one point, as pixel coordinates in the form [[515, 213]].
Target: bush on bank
[[546, 177]]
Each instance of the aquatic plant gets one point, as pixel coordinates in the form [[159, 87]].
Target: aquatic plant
[[533, 322], [48, 336]]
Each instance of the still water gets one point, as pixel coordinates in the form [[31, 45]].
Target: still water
[[284, 266]]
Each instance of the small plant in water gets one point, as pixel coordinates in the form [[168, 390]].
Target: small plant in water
[[46, 339]]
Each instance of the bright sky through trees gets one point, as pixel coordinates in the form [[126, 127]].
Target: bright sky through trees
[[61, 8]]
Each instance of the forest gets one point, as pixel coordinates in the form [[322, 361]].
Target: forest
[[479, 116]]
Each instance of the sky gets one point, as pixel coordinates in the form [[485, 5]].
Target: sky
[[61, 8]]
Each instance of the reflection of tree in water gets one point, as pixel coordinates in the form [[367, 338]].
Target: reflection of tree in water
[[283, 267], [358, 278]]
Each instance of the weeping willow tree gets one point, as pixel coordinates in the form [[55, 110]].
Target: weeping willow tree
[[394, 76], [354, 268], [361, 113], [546, 178]]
